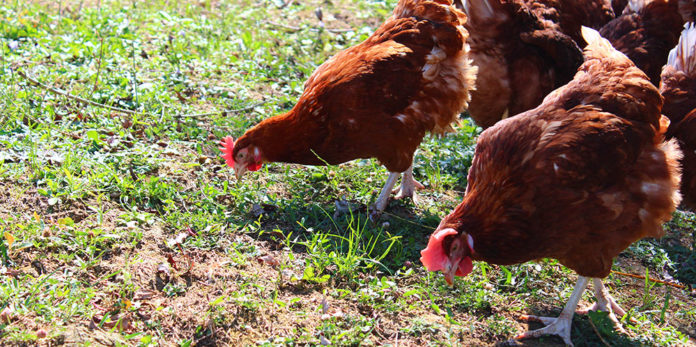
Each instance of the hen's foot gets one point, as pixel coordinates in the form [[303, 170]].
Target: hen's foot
[[553, 326], [408, 189], [558, 326], [408, 186], [605, 302]]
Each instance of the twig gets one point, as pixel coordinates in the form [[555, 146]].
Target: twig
[[598, 334], [70, 96], [294, 28], [406, 220], [188, 259], [101, 54], [118, 109], [286, 4], [649, 278], [236, 110]]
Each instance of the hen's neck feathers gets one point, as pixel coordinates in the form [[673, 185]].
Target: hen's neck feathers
[[683, 56], [283, 139]]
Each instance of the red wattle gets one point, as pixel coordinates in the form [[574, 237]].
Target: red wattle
[[465, 267], [254, 166]]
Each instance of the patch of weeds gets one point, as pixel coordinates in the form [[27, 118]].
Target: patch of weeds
[[173, 289], [419, 327], [445, 161], [346, 252], [499, 327], [656, 258], [347, 330]]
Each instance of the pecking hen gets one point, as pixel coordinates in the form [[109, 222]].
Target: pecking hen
[[645, 32], [678, 87], [578, 179], [524, 50], [374, 100]]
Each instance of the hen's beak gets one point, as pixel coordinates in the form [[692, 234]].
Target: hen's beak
[[239, 170], [450, 269]]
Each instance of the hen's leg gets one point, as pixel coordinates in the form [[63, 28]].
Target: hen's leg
[[408, 185], [605, 302], [558, 326], [383, 197]]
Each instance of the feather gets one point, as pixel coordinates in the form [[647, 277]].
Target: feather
[[683, 56], [598, 47], [636, 6]]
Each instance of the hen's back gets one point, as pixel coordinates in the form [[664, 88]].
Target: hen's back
[[645, 32]]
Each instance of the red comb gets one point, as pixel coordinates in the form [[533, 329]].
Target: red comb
[[227, 150], [433, 256]]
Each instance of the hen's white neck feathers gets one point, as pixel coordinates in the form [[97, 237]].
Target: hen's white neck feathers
[[683, 56], [635, 6]]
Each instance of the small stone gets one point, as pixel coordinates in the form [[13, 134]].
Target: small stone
[[41, 333], [6, 315]]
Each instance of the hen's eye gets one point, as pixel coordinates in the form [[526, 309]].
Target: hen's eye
[[241, 155]]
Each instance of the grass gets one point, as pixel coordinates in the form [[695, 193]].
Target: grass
[[127, 229]]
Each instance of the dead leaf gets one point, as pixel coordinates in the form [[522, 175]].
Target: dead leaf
[[122, 322], [9, 272], [10, 239], [324, 306], [269, 259], [323, 340], [181, 237]]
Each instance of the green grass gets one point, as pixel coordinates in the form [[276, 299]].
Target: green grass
[[127, 229]]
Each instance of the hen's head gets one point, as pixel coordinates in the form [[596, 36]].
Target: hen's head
[[449, 250], [241, 156]]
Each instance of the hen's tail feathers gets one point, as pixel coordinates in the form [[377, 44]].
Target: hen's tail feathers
[[683, 56], [439, 11], [227, 149], [599, 47]]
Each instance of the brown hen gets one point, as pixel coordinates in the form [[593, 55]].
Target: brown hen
[[377, 99], [678, 87], [645, 32], [524, 50], [578, 179]]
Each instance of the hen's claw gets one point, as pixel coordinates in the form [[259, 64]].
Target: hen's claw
[[553, 326], [537, 319]]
